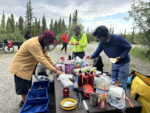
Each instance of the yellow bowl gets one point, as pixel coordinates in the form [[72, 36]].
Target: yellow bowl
[[70, 107]]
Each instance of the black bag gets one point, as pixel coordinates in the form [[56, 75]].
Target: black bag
[[98, 63]]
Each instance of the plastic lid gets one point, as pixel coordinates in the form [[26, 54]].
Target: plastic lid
[[80, 71], [104, 74], [120, 85]]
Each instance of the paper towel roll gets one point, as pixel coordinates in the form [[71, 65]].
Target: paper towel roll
[[117, 92]]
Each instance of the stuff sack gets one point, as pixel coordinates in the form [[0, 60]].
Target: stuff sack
[[9, 44], [140, 89]]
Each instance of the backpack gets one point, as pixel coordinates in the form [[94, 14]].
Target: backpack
[[98, 63]]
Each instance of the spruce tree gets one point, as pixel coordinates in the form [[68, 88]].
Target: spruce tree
[[29, 15], [3, 21], [35, 28], [8, 26], [55, 28], [52, 25], [21, 22], [2, 26], [132, 36], [39, 29], [63, 26], [12, 23], [44, 23], [124, 33], [69, 21], [59, 26], [75, 17], [17, 34]]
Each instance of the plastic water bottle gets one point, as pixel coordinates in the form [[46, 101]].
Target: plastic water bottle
[[112, 83]]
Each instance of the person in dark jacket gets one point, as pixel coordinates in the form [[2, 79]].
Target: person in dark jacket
[[27, 36], [114, 46]]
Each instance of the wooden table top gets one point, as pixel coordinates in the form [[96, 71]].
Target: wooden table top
[[58, 97]]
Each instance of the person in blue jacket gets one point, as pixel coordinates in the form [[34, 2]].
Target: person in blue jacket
[[114, 46]]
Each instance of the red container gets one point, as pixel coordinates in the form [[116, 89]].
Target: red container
[[87, 90], [80, 79], [85, 79], [88, 73], [91, 79]]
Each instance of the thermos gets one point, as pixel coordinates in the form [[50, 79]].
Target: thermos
[[85, 79], [91, 79], [80, 79]]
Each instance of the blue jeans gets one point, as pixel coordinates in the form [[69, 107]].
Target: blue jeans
[[121, 71]]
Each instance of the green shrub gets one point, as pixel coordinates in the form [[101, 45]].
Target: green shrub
[[58, 37], [140, 52]]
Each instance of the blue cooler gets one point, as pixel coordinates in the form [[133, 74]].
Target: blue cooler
[[41, 85], [37, 94], [36, 106]]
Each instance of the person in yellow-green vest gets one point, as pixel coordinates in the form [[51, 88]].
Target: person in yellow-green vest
[[79, 42]]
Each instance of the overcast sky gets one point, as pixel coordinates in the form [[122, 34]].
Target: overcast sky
[[92, 13]]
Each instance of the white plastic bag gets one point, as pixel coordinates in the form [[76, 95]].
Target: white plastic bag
[[65, 80], [42, 78]]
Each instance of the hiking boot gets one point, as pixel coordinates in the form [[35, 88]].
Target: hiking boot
[[21, 103]]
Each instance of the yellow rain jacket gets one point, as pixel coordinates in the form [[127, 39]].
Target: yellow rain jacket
[[27, 57]]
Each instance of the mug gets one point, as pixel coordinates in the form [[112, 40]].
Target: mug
[[65, 91], [93, 99]]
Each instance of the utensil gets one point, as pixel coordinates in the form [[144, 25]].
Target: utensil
[[129, 102], [85, 106]]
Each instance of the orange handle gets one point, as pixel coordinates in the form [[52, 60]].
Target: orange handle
[[129, 102]]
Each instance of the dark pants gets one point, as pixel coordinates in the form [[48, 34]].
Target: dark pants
[[22, 86], [79, 54], [64, 46]]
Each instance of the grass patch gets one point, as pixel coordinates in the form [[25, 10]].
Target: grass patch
[[140, 53]]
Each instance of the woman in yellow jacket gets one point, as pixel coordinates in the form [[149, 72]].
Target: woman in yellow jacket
[[24, 62], [79, 42]]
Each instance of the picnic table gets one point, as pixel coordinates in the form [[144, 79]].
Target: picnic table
[[58, 97]]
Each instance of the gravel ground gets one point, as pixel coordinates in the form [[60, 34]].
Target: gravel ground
[[9, 100]]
